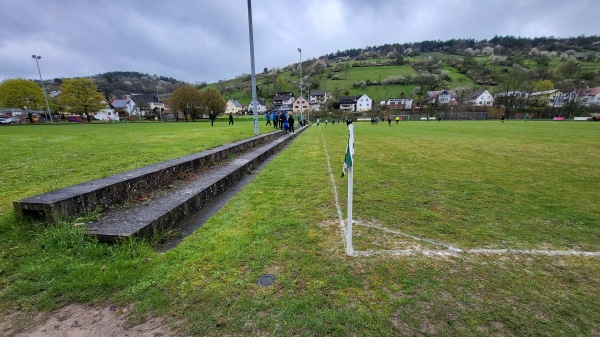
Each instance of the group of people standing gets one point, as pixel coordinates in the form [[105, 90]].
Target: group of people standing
[[283, 120]]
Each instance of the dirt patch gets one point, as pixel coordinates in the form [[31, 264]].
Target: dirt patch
[[80, 320]]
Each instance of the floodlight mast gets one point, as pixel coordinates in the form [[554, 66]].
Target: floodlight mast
[[36, 58], [301, 97], [253, 74]]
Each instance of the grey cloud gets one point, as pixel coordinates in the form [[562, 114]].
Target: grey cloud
[[208, 40]]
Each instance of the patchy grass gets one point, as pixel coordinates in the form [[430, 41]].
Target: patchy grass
[[42, 158], [471, 184]]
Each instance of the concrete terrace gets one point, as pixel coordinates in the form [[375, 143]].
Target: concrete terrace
[[198, 179]]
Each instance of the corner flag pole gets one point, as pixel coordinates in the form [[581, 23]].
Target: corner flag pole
[[349, 165]]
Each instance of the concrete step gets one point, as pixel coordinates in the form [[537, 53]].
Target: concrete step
[[118, 189], [174, 207]]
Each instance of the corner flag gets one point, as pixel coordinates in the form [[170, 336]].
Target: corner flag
[[349, 151], [348, 163]]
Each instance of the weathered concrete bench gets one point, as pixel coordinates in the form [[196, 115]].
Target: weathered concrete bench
[[172, 209], [115, 190]]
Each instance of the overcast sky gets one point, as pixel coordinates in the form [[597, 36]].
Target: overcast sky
[[207, 40]]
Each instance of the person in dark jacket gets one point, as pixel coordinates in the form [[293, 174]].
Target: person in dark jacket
[[291, 123], [281, 120], [230, 119], [211, 115]]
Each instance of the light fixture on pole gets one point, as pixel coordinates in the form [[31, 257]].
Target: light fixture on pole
[[36, 58], [301, 100]]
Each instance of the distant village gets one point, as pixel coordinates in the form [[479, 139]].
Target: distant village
[[446, 103]]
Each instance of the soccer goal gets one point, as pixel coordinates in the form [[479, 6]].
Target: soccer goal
[[401, 118]]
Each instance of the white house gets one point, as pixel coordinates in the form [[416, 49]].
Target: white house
[[283, 101], [233, 107], [481, 98], [125, 104], [261, 107], [442, 97], [107, 115], [589, 96], [364, 103], [317, 98], [399, 103]]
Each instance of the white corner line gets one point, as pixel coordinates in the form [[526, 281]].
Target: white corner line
[[449, 251], [335, 193]]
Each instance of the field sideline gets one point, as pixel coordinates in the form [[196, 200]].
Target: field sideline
[[419, 187]]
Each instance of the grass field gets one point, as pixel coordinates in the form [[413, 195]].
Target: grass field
[[523, 186]]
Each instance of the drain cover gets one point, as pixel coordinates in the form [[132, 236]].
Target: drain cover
[[266, 280]]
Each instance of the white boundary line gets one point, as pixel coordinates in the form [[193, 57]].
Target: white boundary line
[[450, 250], [335, 193], [416, 238]]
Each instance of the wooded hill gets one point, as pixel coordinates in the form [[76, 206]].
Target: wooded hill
[[120, 83]]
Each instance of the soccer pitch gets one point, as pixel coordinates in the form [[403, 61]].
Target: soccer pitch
[[461, 228], [472, 187]]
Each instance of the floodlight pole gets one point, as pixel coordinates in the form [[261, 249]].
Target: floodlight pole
[[36, 58], [301, 100], [253, 73], [157, 104]]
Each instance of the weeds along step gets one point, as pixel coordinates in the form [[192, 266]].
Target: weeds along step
[[121, 191]]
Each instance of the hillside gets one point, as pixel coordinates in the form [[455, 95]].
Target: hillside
[[402, 70], [409, 70]]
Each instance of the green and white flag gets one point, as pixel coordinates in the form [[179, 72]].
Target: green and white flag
[[349, 151], [348, 168]]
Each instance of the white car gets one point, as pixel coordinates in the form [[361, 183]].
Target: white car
[[7, 120]]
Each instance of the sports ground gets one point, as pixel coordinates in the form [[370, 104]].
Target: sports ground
[[460, 228]]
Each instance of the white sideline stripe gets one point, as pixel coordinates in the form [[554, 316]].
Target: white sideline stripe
[[449, 251], [455, 251], [405, 252], [335, 193], [427, 252], [435, 243], [531, 252]]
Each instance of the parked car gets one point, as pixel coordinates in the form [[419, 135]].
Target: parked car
[[8, 120]]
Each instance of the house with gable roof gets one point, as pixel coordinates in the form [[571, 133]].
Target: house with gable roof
[[399, 103], [125, 106], [233, 107], [150, 100], [283, 101], [510, 98], [317, 98], [442, 97], [301, 102], [364, 103], [589, 96], [356, 103], [261, 107], [348, 103], [481, 98], [554, 97]]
